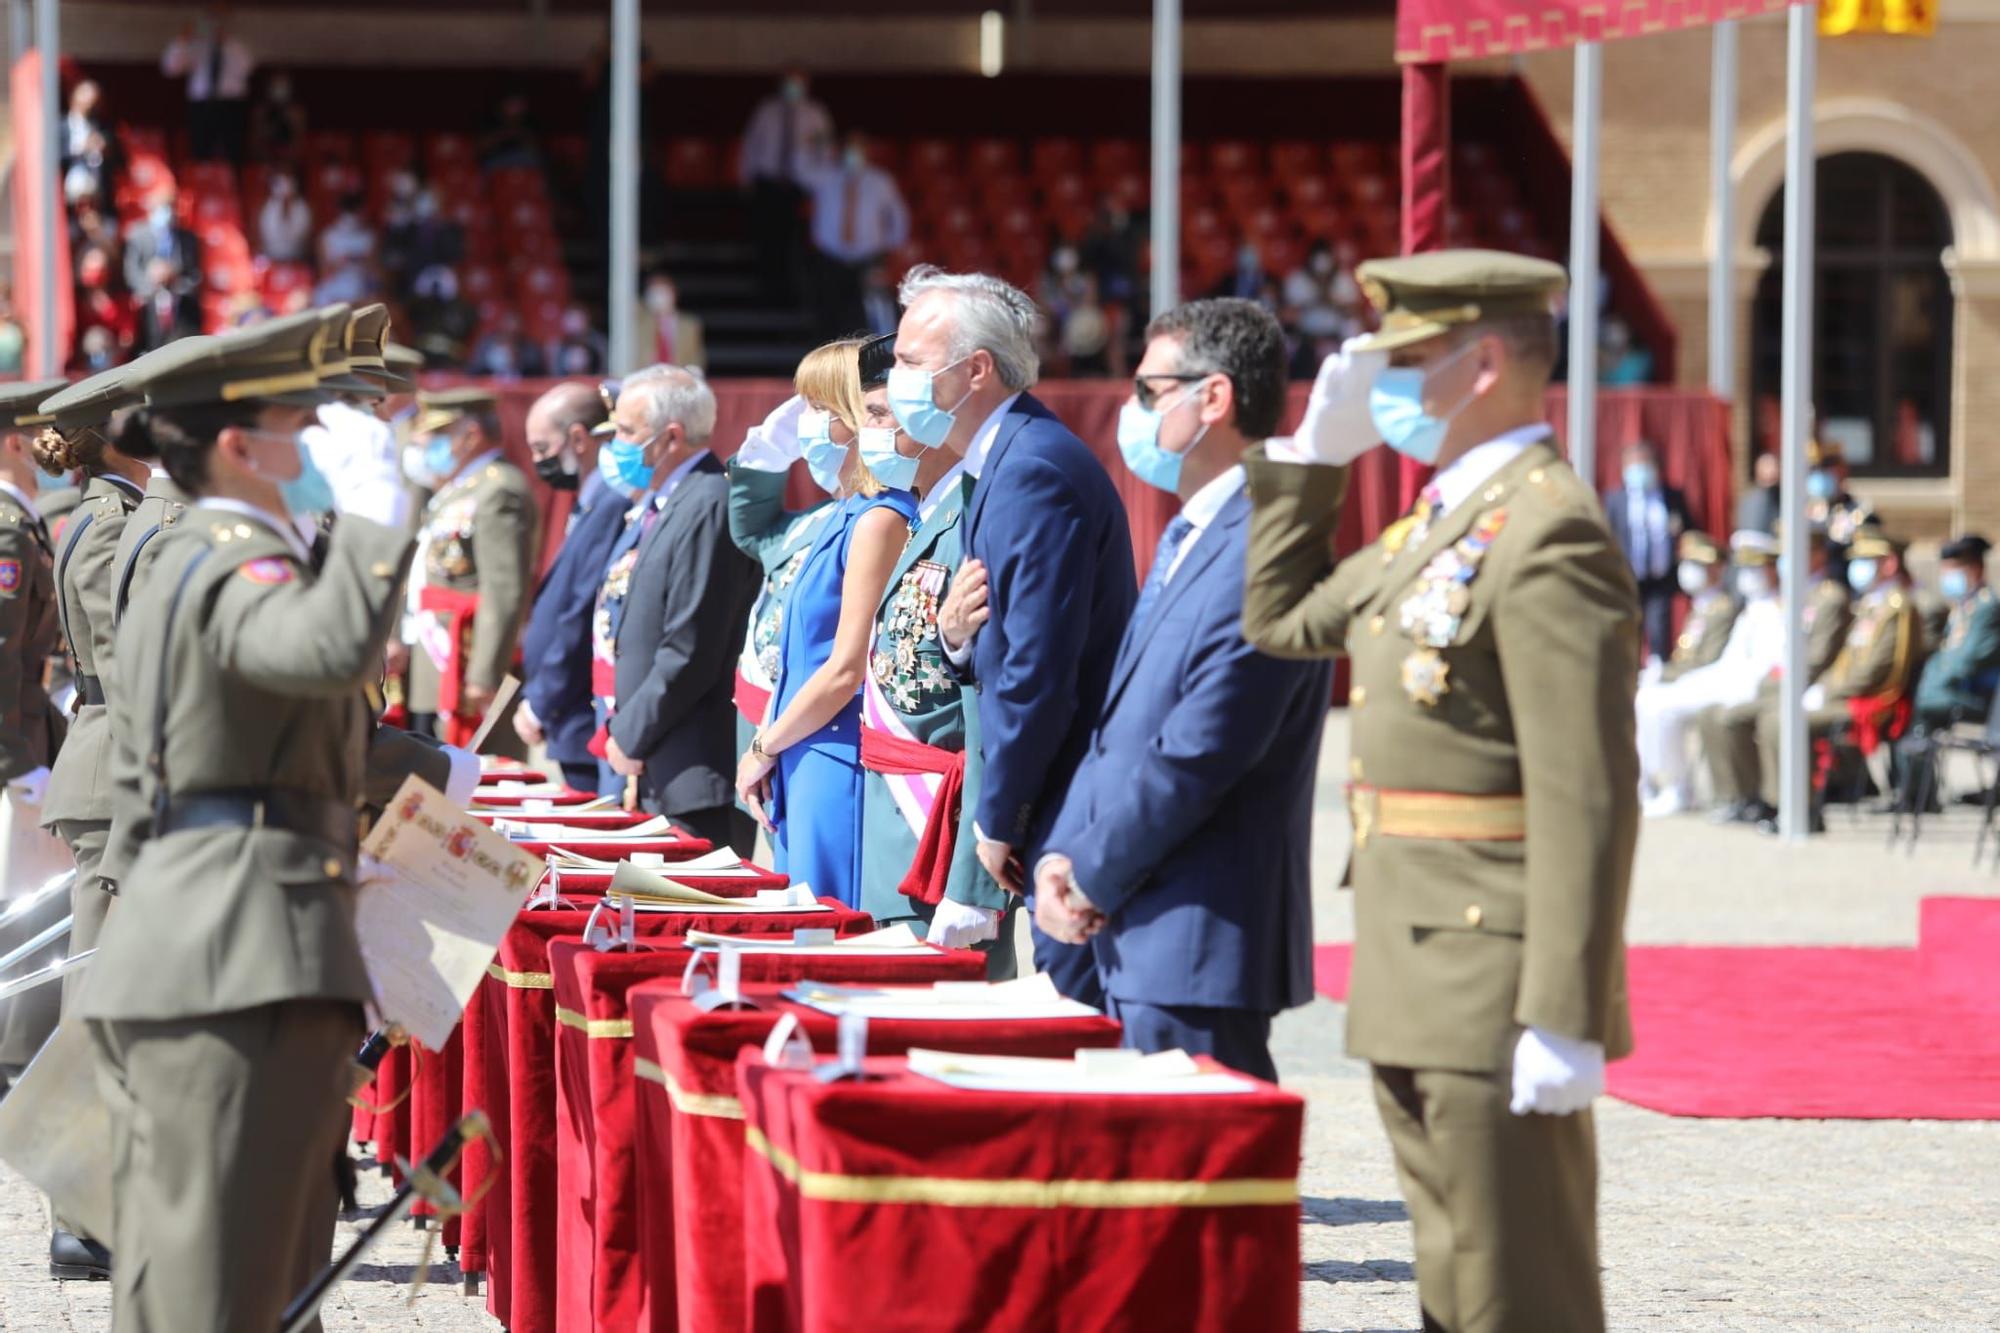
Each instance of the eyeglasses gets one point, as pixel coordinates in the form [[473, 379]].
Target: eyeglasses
[[1147, 396]]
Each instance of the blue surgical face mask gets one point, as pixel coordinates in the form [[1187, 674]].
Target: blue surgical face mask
[[913, 398], [308, 493], [1641, 476], [824, 458], [1396, 403], [1139, 443], [1861, 574], [880, 456], [624, 465], [1954, 585], [1821, 485], [438, 460]]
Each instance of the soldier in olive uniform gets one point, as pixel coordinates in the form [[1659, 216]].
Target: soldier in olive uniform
[[1873, 671], [225, 1001], [31, 727], [1958, 681], [1729, 732], [1494, 639], [1712, 608], [475, 567]]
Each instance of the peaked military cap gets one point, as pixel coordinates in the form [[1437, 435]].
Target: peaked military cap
[[1872, 543], [1970, 549], [608, 390], [437, 411], [1698, 546], [1422, 296], [403, 363], [367, 351], [21, 404], [91, 401], [336, 375], [877, 355], [282, 359], [1752, 547]]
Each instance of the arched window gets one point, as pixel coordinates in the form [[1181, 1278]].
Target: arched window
[[1882, 336]]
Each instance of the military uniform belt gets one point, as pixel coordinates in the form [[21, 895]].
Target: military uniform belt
[[332, 821], [90, 689], [1443, 816]]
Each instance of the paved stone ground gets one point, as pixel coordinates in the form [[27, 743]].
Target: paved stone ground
[[1707, 1224]]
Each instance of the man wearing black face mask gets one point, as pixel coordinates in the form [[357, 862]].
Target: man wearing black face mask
[[555, 648]]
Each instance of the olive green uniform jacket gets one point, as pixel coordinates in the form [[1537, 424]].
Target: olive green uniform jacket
[[1461, 941], [481, 534]]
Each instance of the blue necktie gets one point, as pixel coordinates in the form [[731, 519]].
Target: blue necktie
[[1163, 560]]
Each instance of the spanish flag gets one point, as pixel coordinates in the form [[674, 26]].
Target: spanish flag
[[1908, 18]]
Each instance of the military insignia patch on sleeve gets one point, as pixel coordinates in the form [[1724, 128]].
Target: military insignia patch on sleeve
[[269, 570], [10, 577]]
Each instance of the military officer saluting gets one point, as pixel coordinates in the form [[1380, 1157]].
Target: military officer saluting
[[476, 562], [1712, 608], [225, 999], [1494, 639]]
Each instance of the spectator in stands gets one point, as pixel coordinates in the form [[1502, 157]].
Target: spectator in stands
[[1757, 507], [217, 68], [442, 320], [88, 226], [858, 217], [95, 350], [13, 338], [1247, 280], [277, 123], [1619, 359], [507, 353], [1320, 304], [666, 333], [419, 236], [249, 307], [1647, 519], [1111, 251], [509, 140], [173, 307], [346, 256], [578, 349], [82, 119], [97, 306], [1077, 330], [88, 157], [155, 238], [285, 223], [784, 148]]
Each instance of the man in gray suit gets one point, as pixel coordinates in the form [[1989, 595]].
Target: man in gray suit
[[672, 608]]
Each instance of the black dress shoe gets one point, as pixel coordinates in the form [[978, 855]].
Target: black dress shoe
[[1731, 813], [1758, 813], [74, 1258], [1815, 823]]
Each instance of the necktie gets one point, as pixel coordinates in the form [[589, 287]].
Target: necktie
[[787, 139], [1163, 560], [850, 208], [215, 66]]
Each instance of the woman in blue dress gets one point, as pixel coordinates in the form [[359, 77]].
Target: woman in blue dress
[[802, 772]]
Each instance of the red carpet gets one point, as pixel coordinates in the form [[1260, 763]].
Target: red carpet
[[1809, 1033]]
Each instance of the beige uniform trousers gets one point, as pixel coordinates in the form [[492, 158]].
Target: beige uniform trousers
[[1504, 1207], [224, 1131]]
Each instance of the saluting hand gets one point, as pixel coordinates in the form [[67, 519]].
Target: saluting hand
[[964, 609]]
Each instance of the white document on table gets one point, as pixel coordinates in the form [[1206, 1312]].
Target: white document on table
[[432, 918], [891, 941], [1026, 997], [1091, 1072]]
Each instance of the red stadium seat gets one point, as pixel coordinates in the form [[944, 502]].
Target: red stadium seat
[[1296, 157], [967, 254], [387, 150], [693, 163], [145, 173], [1051, 156], [210, 178], [1354, 157], [1321, 222], [1115, 157], [525, 214], [146, 139], [444, 149], [1002, 192], [227, 274], [223, 242], [478, 281], [507, 184], [542, 319], [1244, 195], [955, 220], [923, 156], [1235, 156], [543, 282], [217, 208], [1306, 190], [1280, 255], [331, 180], [281, 280], [491, 310], [900, 261], [993, 155], [1201, 222], [1066, 188], [1131, 189], [1265, 223], [533, 249], [329, 146]]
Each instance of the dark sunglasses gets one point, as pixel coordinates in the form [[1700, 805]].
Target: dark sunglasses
[[1147, 396]]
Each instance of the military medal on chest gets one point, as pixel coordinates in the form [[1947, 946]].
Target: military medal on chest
[[1436, 608], [899, 666]]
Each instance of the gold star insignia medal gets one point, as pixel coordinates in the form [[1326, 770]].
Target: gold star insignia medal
[[1425, 677]]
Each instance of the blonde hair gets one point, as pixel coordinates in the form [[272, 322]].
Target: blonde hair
[[830, 377]]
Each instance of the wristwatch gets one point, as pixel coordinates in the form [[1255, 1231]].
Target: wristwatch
[[757, 747]]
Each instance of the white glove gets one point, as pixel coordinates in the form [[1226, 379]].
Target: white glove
[[368, 872], [363, 468], [1337, 426], [958, 926], [1815, 697], [31, 786], [464, 779], [773, 445], [1555, 1075]]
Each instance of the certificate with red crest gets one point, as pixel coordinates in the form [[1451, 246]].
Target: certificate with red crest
[[434, 907]]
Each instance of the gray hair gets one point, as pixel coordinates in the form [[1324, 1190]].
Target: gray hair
[[990, 315], [675, 393]]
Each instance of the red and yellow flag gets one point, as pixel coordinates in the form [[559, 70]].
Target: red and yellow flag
[[1908, 18]]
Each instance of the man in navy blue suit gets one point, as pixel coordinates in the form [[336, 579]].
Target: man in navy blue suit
[[555, 647], [1182, 849], [1051, 561]]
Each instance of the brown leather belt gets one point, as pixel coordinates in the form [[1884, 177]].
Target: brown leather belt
[[1437, 815]]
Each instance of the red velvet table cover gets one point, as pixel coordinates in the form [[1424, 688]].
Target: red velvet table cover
[[492, 799], [515, 1238], [1029, 1210], [598, 1196], [691, 1129], [510, 773]]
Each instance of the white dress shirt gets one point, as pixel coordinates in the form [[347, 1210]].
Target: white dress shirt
[[1477, 465], [763, 155], [1201, 509], [191, 57], [858, 213]]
